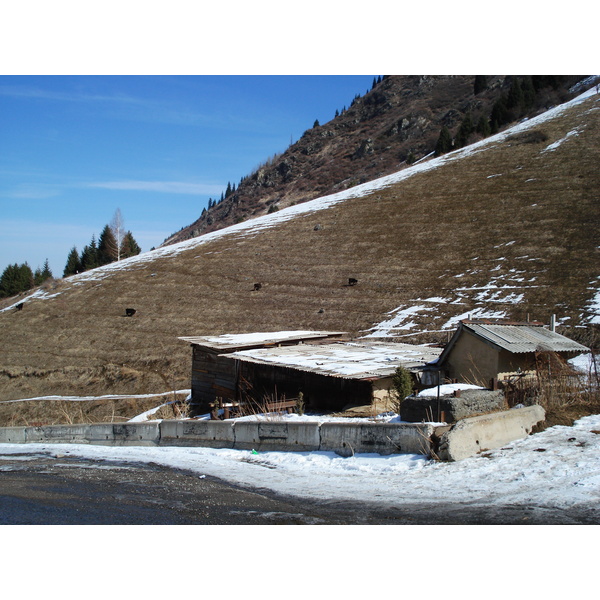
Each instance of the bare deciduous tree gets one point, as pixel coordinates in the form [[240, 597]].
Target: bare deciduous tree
[[118, 228]]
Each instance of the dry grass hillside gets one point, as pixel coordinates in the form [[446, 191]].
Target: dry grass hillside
[[510, 229], [395, 123]]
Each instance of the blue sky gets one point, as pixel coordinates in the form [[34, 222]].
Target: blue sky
[[73, 149]]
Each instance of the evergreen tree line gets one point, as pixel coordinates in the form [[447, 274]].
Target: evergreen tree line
[[20, 278], [102, 252], [522, 96], [228, 192]]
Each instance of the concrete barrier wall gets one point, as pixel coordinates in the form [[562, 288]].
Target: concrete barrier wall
[[465, 438], [486, 432], [210, 434]]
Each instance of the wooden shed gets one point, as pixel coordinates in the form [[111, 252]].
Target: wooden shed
[[213, 376], [484, 349], [331, 374]]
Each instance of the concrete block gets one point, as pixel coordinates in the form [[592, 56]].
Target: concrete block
[[278, 436], [246, 435], [209, 434], [58, 434], [126, 434], [469, 403], [343, 438], [288, 436], [486, 432], [303, 436], [380, 438], [396, 438], [12, 435]]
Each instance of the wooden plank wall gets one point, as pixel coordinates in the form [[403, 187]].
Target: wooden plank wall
[[212, 377]]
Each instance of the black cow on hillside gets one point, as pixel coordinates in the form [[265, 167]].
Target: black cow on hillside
[[129, 312]]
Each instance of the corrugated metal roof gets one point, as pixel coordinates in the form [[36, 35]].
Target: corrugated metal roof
[[524, 338], [257, 340], [355, 360]]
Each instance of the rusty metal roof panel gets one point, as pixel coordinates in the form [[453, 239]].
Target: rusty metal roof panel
[[524, 338]]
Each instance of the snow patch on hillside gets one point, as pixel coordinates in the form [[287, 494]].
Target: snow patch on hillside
[[555, 145]]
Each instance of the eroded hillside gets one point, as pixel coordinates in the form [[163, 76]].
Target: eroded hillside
[[506, 227]]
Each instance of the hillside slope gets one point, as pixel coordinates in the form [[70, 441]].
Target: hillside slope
[[397, 122], [505, 227]]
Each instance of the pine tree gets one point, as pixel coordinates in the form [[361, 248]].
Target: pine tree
[[89, 256], [528, 92], [16, 279], [107, 247], [444, 143], [480, 84], [403, 384], [500, 114], [42, 275], [316, 123], [228, 190], [483, 127], [515, 100], [73, 265], [46, 272], [129, 247], [9, 282], [465, 130]]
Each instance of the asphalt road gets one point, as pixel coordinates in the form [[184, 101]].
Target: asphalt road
[[42, 489]]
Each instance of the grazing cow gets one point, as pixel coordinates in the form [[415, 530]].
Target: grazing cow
[[352, 281], [129, 312], [19, 306], [257, 286]]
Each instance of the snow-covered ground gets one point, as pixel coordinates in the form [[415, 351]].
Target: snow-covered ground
[[557, 468]]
